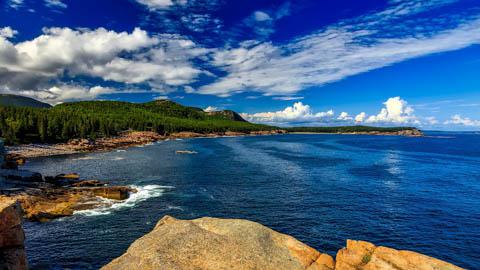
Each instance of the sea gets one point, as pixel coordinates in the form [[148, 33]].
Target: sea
[[420, 193]]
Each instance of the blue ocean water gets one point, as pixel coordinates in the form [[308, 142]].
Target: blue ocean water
[[421, 194]]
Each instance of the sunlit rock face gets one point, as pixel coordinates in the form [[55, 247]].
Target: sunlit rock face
[[12, 237], [212, 243]]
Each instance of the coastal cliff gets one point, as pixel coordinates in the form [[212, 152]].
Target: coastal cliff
[[12, 237], [212, 243]]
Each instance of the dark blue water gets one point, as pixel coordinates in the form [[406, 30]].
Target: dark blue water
[[421, 194]]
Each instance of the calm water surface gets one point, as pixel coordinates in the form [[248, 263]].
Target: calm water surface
[[421, 194]]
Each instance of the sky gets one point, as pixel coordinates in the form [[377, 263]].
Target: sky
[[283, 62]]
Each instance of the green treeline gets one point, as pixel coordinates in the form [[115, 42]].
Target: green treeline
[[94, 119], [347, 129]]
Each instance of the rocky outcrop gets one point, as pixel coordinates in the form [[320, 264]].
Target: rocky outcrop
[[360, 255], [47, 203], [212, 243], [12, 237], [46, 198]]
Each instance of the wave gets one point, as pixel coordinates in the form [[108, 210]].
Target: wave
[[121, 150], [143, 193]]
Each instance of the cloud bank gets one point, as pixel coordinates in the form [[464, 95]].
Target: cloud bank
[[396, 111]]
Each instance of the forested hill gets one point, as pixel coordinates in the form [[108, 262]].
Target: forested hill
[[21, 101], [93, 119]]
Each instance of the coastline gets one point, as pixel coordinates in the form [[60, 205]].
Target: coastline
[[20, 153]]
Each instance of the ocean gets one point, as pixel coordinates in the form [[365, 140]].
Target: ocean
[[420, 194]]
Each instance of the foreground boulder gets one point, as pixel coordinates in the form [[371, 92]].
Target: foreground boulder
[[12, 237], [360, 255], [211, 243]]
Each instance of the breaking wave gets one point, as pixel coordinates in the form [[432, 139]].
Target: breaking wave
[[143, 193]]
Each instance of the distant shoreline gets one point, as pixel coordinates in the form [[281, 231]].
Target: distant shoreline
[[22, 152]]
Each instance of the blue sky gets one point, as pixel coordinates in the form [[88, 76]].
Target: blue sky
[[376, 62]]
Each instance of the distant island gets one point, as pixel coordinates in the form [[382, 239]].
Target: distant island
[[24, 120]]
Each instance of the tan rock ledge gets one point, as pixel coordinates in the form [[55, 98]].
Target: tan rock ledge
[[234, 244]]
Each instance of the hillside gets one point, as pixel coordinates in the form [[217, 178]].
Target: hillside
[[21, 101], [95, 119]]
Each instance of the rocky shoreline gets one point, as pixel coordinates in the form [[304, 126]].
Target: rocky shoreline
[[127, 139], [44, 198], [136, 138]]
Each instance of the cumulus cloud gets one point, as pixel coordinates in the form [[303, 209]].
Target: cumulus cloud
[[344, 116], [396, 111], [464, 121], [360, 117], [210, 109], [162, 62], [296, 113], [339, 51], [7, 32]]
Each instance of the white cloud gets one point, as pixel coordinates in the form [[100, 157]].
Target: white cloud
[[396, 111], [344, 116], [7, 32], [360, 117], [261, 16], [296, 113], [15, 3], [464, 121], [55, 4], [162, 4], [162, 62], [336, 52], [210, 109], [161, 98], [63, 93]]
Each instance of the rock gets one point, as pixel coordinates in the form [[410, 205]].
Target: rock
[[10, 165], [89, 183], [232, 133], [360, 255], [114, 193], [186, 135], [21, 176], [68, 176], [212, 243], [44, 204], [186, 152], [12, 237]]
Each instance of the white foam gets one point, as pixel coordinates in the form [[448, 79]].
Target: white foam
[[121, 150], [118, 158], [85, 158], [143, 193]]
